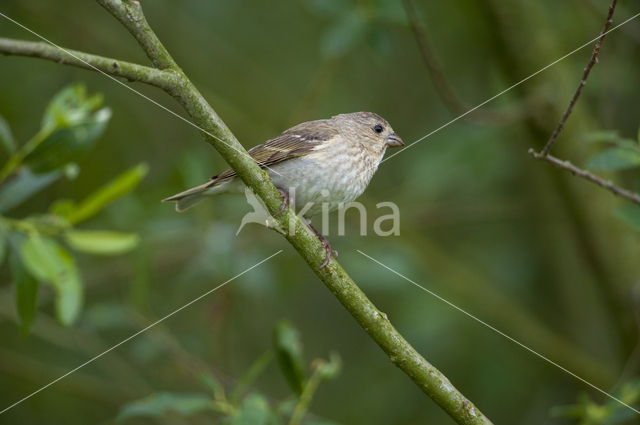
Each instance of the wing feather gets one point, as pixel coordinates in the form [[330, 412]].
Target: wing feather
[[295, 142]]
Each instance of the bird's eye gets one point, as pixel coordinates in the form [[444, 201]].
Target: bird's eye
[[378, 128]]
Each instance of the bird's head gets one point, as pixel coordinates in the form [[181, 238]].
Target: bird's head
[[369, 129]]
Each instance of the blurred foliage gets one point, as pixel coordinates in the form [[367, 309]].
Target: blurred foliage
[[72, 123], [523, 246], [629, 214], [353, 24], [289, 355], [244, 407], [588, 412], [619, 154]]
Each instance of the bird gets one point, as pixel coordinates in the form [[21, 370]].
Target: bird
[[326, 161]]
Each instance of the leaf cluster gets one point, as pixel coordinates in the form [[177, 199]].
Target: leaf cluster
[[242, 405], [40, 246]]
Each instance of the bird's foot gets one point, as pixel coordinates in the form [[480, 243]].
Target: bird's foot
[[285, 200], [330, 251], [326, 246]]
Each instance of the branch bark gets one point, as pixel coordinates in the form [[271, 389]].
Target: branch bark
[[579, 172], [429, 379], [114, 67]]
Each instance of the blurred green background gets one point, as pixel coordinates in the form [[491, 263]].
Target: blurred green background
[[550, 260]]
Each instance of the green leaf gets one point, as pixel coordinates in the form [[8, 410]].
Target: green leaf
[[588, 412], [157, 405], [49, 263], [66, 145], [72, 122], [628, 143], [254, 410], [629, 394], [630, 215], [288, 347], [40, 256], [6, 138], [70, 106], [101, 242], [24, 185], [121, 185], [601, 136], [344, 35], [26, 288], [615, 158], [69, 294]]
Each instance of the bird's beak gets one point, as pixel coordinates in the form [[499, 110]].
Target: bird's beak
[[394, 141]]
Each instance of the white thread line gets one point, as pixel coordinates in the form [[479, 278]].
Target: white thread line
[[137, 333], [389, 157], [510, 88], [133, 90], [501, 333]]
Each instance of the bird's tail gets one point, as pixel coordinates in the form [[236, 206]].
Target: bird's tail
[[190, 197]]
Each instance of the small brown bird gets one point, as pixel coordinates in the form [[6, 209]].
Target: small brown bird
[[324, 161]]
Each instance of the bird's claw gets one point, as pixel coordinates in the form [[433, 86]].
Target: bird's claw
[[330, 251], [285, 201], [326, 246]]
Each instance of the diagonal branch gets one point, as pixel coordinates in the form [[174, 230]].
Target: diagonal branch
[[117, 68], [429, 379], [130, 15]]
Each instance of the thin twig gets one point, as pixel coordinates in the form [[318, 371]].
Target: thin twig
[[579, 172], [117, 68], [633, 32], [583, 81]]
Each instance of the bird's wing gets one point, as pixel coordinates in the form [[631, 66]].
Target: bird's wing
[[295, 142]]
